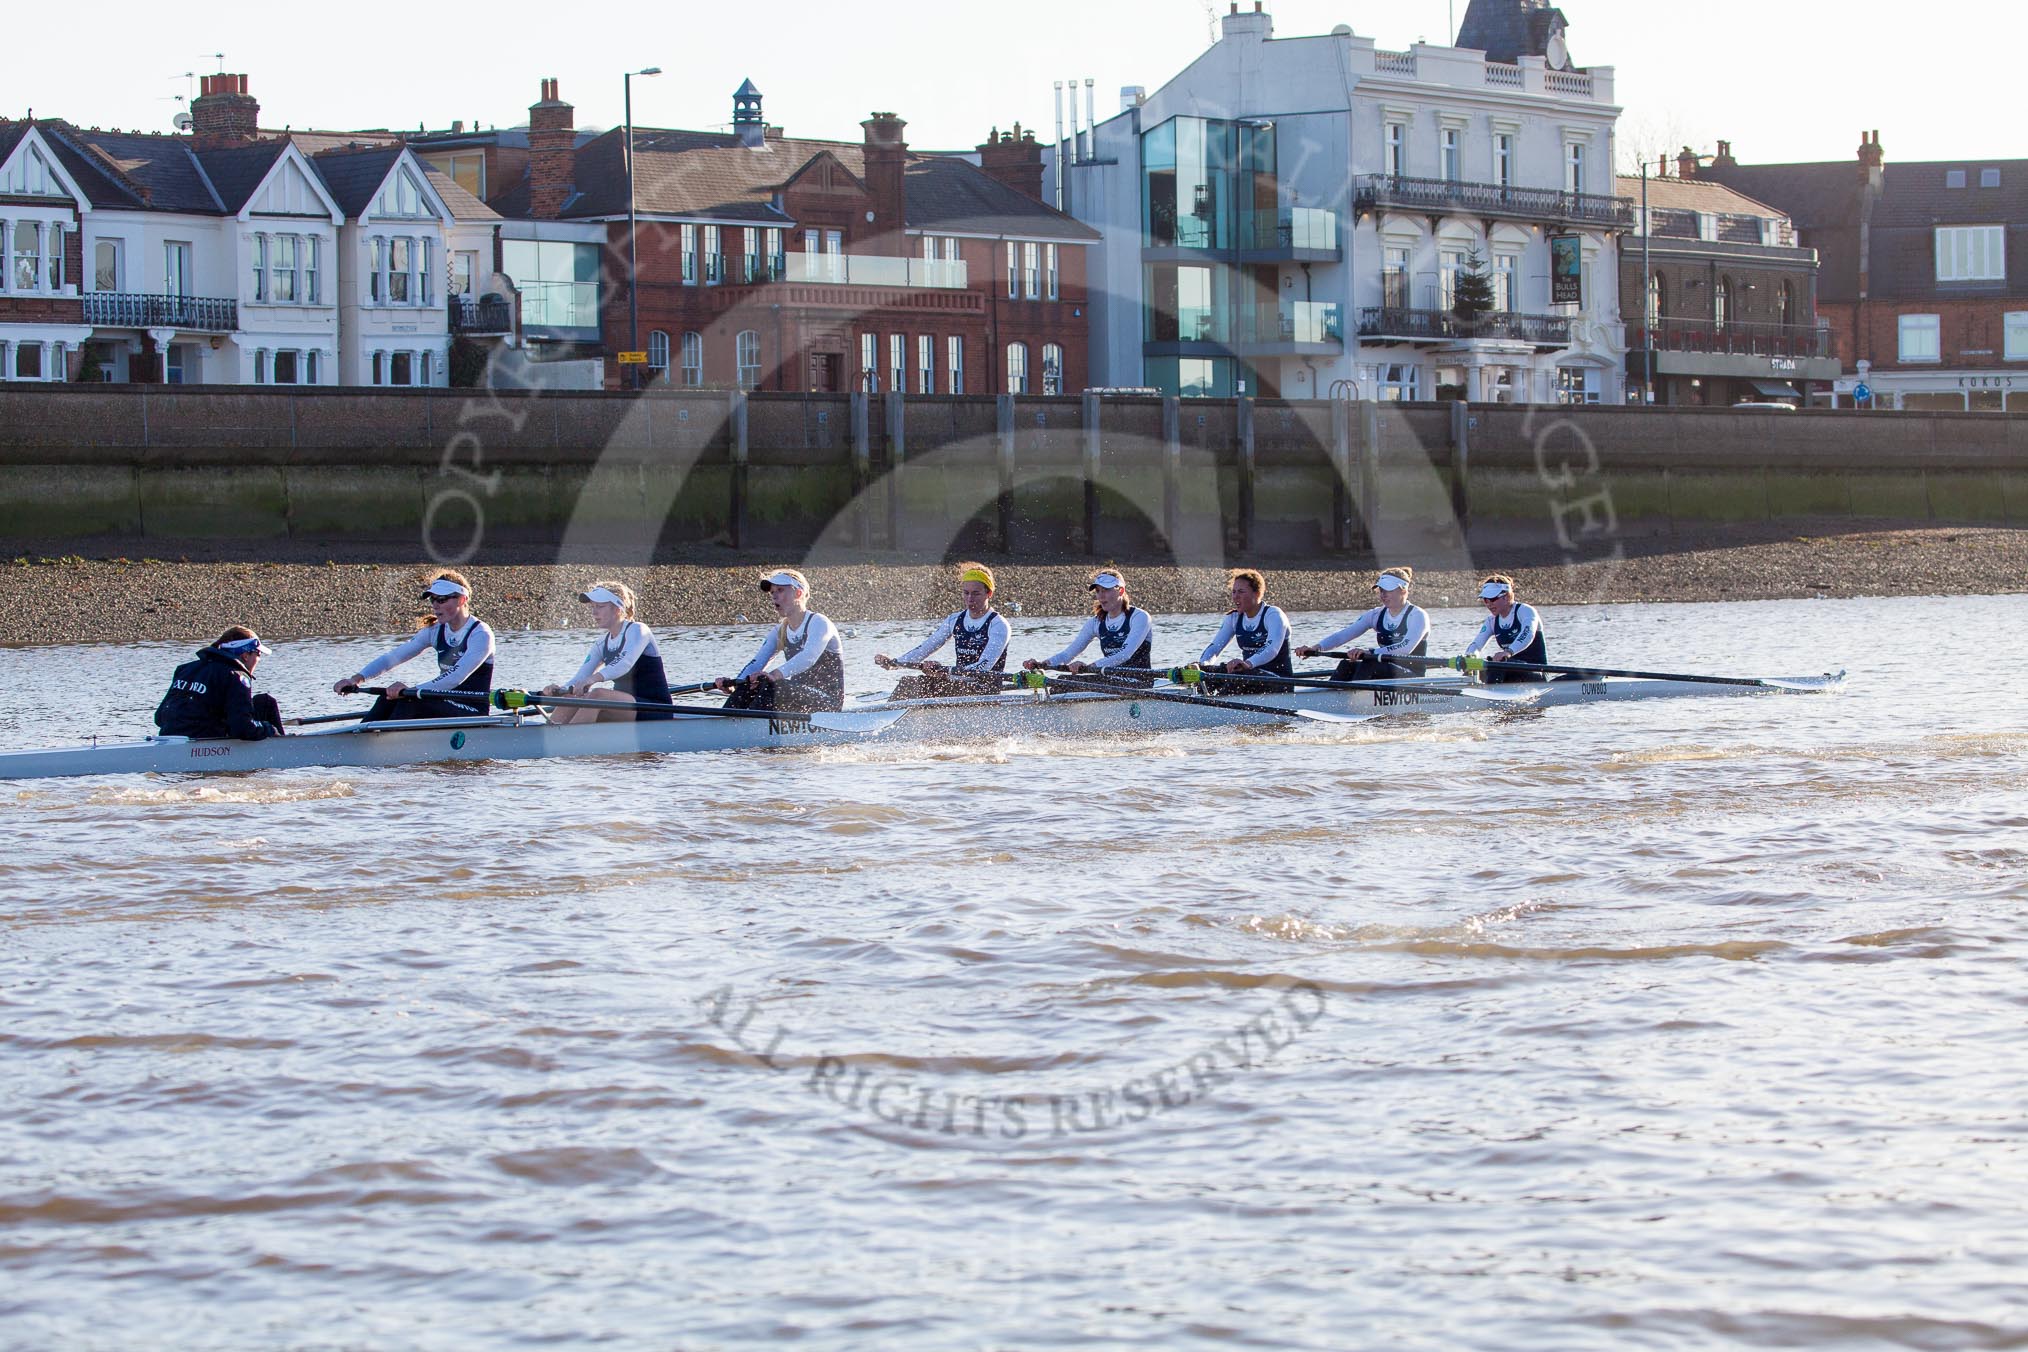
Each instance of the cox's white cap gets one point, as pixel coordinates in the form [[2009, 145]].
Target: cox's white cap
[[1107, 580], [443, 586], [1492, 590], [245, 647], [606, 594], [785, 577], [1389, 582]]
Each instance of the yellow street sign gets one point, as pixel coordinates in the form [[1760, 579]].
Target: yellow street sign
[[632, 358]]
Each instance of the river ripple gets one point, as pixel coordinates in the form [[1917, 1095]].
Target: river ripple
[[1673, 1025]]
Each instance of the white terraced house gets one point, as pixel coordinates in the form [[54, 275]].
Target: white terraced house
[[41, 317], [227, 256], [1292, 218]]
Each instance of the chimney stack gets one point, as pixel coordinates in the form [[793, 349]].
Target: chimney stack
[[1871, 156], [886, 165], [223, 113], [552, 154], [1723, 159], [1686, 162], [1014, 159], [1259, 24]]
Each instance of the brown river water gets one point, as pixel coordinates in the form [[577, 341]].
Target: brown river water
[[1691, 1023]]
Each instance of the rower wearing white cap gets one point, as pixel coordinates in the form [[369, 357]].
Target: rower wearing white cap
[[624, 664], [811, 677], [1126, 636], [212, 694], [1399, 629], [1514, 627], [980, 634], [1262, 632], [464, 651]]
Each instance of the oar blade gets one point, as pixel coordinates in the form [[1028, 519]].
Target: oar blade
[[1323, 716], [864, 724]]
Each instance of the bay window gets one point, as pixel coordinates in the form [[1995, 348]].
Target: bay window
[[282, 274], [27, 255], [400, 273]]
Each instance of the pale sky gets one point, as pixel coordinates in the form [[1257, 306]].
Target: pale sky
[[1781, 79]]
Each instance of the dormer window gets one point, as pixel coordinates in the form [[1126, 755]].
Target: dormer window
[[1989, 178], [1954, 178]]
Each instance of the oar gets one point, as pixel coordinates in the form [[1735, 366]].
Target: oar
[[1481, 664], [324, 718], [1185, 675], [871, 722], [1205, 702]]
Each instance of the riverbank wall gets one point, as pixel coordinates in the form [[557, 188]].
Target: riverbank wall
[[1078, 476]]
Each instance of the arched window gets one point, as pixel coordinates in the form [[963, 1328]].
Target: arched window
[[658, 351], [1052, 369], [693, 360], [1721, 304], [1017, 368], [748, 349]]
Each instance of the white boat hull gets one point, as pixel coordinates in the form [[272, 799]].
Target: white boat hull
[[1077, 715]]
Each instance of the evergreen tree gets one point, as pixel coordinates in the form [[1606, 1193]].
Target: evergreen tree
[[1472, 295]]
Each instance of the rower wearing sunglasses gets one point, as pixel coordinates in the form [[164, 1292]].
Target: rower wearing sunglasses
[[811, 676], [1399, 629], [1514, 627], [464, 652]]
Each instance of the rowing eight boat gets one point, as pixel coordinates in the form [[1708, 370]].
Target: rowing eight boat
[[521, 735]]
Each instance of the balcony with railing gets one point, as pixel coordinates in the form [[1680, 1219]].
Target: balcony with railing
[[489, 314], [1289, 234], [1400, 324], [1733, 338], [132, 310], [1500, 201], [1290, 329], [565, 310], [940, 274]]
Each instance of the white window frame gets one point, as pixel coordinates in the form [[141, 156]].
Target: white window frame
[[1394, 148], [1398, 382], [897, 362], [925, 364], [260, 284], [279, 273], [1031, 269], [687, 235], [1013, 270], [1050, 270], [1971, 253], [746, 351], [313, 246], [119, 250], [658, 351], [1576, 155], [1452, 158], [2015, 328], [1578, 385], [1927, 353], [1017, 367], [714, 255], [692, 372], [869, 362], [954, 363], [1052, 368], [1503, 158], [1507, 282]]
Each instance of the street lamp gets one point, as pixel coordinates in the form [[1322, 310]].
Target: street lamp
[[633, 287]]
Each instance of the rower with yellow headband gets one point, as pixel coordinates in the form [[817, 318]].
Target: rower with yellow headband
[[980, 634]]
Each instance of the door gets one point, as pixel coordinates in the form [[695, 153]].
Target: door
[[176, 269], [827, 370]]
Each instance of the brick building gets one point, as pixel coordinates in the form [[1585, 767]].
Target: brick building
[[1730, 293], [780, 263], [1924, 277]]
